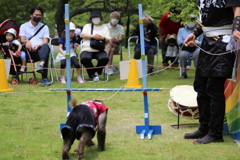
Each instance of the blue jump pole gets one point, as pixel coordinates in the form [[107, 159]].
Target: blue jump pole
[[146, 130], [68, 62], [107, 89]]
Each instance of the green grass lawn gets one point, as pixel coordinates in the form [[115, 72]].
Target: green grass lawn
[[30, 118]]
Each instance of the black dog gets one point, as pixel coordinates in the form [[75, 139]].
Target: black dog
[[81, 124]]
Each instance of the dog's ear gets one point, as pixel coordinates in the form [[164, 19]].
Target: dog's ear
[[73, 102]]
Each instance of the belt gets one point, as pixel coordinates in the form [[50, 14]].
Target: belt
[[216, 31]]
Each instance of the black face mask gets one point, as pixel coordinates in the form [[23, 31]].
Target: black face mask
[[36, 19]]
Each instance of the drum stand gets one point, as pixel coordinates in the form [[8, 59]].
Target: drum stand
[[176, 126]]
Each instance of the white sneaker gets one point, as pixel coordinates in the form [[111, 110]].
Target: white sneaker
[[188, 67], [96, 78], [115, 69], [110, 71], [80, 80], [62, 80]]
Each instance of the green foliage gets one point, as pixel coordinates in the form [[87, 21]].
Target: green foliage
[[158, 7], [19, 10]]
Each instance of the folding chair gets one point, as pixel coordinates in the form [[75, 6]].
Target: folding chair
[[134, 40], [55, 48]]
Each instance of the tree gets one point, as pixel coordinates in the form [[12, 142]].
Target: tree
[[125, 7], [187, 7]]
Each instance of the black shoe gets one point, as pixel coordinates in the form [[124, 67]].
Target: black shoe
[[150, 71], [195, 135], [208, 139], [184, 75]]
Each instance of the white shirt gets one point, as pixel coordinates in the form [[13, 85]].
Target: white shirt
[[27, 30], [115, 31], [171, 51], [101, 30]]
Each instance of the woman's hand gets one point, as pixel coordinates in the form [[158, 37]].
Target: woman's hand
[[98, 37], [75, 45]]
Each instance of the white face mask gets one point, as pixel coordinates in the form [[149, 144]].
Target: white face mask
[[96, 20], [191, 24], [114, 21]]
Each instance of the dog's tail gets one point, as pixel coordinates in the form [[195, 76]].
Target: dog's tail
[[73, 102]]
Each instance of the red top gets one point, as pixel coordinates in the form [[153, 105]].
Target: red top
[[96, 107], [169, 26]]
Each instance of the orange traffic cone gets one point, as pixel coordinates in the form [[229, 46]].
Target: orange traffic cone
[[133, 80], [3, 79]]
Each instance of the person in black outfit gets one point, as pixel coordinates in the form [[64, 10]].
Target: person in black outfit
[[150, 32], [213, 69]]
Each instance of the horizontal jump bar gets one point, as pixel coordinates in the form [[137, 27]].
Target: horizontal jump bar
[[109, 89]]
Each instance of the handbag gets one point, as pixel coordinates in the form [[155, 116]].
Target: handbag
[[97, 44]]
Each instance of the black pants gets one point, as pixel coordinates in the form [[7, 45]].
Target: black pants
[[74, 61], [86, 60], [150, 55], [211, 103], [172, 59], [42, 55]]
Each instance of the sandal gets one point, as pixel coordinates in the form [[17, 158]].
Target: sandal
[[22, 69]]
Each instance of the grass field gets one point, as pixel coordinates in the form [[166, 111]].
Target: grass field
[[30, 117]]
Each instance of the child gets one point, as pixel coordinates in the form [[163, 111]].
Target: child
[[172, 51], [61, 56], [11, 40]]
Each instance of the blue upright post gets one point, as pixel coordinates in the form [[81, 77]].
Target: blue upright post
[[68, 62], [146, 129]]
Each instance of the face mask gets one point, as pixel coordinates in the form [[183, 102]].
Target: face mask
[[96, 20], [36, 19], [71, 36], [114, 21], [191, 24]]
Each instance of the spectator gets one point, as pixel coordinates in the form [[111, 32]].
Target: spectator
[[17, 47], [61, 57], [99, 32], [213, 67], [165, 27], [150, 32], [116, 34], [35, 35], [172, 51], [190, 51]]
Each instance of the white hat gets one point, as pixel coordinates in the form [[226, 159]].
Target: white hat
[[72, 26], [11, 30], [172, 37]]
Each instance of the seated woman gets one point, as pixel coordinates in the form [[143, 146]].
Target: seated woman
[[94, 30]]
